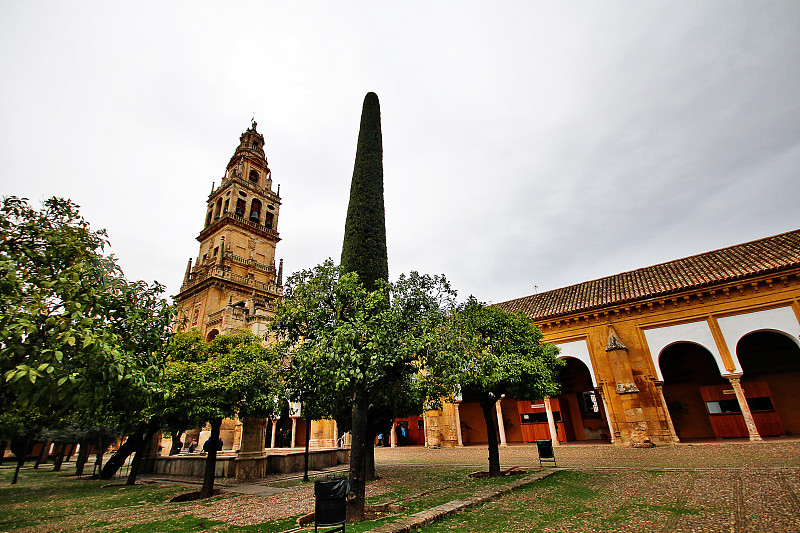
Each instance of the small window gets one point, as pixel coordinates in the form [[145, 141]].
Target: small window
[[216, 250], [723, 406], [590, 407], [268, 220], [763, 403], [208, 218], [254, 175], [225, 209], [255, 145]]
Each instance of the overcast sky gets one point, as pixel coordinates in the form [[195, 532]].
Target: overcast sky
[[526, 144]]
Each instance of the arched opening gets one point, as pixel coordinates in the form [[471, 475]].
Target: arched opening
[[255, 210], [770, 364], [686, 368], [253, 176], [241, 205], [268, 220], [219, 209], [211, 334], [580, 405], [578, 411], [208, 218]]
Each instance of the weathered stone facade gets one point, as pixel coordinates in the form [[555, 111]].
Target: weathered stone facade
[[233, 284]]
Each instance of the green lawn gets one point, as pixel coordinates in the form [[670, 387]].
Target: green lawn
[[57, 501]]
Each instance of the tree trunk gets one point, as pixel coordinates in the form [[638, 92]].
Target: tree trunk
[[21, 460], [98, 462], [308, 440], [491, 431], [141, 450], [42, 459], [83, 456], [358, 454], [176, 443], [211, 460], [61, 448], [116, 461], [3, 450], [369, 464]]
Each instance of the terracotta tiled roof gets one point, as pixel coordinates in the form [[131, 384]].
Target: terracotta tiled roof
[[771, 254]]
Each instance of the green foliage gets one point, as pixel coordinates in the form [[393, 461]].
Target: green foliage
[[341, 338], [496, 352], [233, 374], [364, 247], [71, 326]]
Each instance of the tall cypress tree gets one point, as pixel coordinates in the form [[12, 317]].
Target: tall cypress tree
[[364, 247], [364, 252]]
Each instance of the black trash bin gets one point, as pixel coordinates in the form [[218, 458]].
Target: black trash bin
[[330, 506], [546, 451]]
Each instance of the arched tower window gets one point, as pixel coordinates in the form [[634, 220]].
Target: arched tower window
[[254, 176], [255, 210], [268, 220], [208, 218], [219, 209], [241, 205]]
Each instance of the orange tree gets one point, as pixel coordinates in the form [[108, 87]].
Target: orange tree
[[492, 353], [233, 374]]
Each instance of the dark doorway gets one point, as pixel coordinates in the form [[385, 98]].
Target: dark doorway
[[686, 367]]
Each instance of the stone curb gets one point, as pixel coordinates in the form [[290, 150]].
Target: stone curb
[[418, 520]]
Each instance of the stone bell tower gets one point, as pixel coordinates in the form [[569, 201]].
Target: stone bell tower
[[233, 283]]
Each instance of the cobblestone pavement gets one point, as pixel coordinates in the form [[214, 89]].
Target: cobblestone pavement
[[775, 453], [718, 487]]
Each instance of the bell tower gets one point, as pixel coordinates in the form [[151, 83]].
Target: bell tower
[[233, 283]]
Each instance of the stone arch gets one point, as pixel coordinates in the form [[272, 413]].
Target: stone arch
[[211, 334], [770, 361], [779, 320], [699, 333], [580, 351], [581, 407], [685, 367]]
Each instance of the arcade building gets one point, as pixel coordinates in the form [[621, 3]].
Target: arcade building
[[705, 347]]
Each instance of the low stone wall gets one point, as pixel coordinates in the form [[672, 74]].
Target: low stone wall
[[232, 466], [194, 465], [294, 461]]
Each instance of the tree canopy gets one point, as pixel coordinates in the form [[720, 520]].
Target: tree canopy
[[71, 326], [494, 353], [346, 342], [233, 375]]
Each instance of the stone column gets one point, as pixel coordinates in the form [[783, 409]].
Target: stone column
[[253, 433], [672, 433], [274, 430], [752, 430], [500, 425], [393, 436], [608, 416], [551, 422], [457, 405], [251, 459], [294, 430], [335, 434]]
